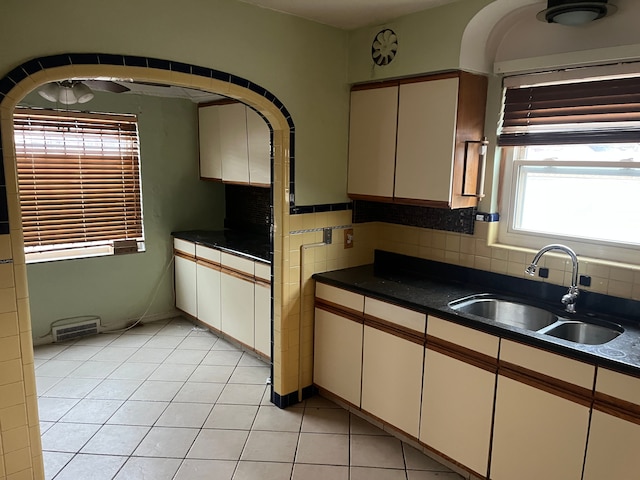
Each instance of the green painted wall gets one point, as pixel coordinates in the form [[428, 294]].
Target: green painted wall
[[303, 63], [119, 288], [428, 41]]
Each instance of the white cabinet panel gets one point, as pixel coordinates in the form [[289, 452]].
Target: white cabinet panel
[[208, 137], [208, 295], [427, 115], [185, 285], [237, 300], [372, 141], [338, 355], [259, 149], [263, 318], [392, 379], [233, 143]]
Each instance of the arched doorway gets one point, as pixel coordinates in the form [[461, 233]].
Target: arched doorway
[[29, 76]]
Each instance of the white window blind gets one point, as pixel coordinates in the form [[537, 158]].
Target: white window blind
[[79, 179]]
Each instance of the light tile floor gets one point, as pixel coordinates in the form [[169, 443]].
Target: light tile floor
[[170, 400]]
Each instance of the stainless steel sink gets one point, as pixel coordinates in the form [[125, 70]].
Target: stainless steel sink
[[505, 311], [508, 311], [585, 333]]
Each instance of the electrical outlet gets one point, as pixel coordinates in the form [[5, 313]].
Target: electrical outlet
[[348, 237], [326, 236]]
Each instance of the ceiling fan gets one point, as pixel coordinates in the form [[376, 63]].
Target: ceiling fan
[[69, 92]]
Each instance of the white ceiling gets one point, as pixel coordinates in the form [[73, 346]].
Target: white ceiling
[[349, 14]]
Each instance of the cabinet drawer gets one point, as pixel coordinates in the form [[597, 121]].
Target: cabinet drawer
[[400, 316], [207, 253], [237, 263], [548, 364], [463, 336], [618, 385], [344, 298], [184, 246]]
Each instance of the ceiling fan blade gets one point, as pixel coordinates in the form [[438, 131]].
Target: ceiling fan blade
[[106, 86]]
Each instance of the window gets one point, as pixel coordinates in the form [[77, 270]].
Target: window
[[79, 183], [571, 170]]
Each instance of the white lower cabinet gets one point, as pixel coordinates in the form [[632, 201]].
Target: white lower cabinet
[[541, 423], [227, 292], [208, 294], [459, 390], [237, 303], [262, 315], [185, 285], [337, 365], [392, 379], [614, 435]]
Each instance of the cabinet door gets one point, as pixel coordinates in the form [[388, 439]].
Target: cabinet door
[[263, 318], [372, 142], [208, 297], [233, 143], [259, 149], [612, 451], [209, 141], [392, 379], [185, 285], [537, 434], [427, 113], [457, 409], [237, 300], [338, 355]]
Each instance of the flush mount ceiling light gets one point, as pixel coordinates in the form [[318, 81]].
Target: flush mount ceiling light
[[575, 12]]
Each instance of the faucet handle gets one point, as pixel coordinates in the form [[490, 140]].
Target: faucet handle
[[531, 269]]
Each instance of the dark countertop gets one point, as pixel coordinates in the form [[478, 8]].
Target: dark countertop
[[251, 245], [429, 287]]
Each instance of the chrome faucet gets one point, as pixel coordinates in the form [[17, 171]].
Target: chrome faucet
[[570, 298]]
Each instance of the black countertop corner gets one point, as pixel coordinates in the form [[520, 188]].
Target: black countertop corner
[[252, 245], [429, 286]]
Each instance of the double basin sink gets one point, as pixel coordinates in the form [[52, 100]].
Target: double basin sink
[[513, 313]]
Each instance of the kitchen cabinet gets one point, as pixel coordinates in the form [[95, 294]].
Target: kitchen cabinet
[[393, 353], [460, 368], [237, 298], [614, 435], [418, 140], [185, 276], [228, 293], [234, 144], [542, 412], [262, 312], [208, 286], [338, 332]]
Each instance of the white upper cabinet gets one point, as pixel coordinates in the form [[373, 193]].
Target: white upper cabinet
[[234, 145], [418, 141], [372, 141]]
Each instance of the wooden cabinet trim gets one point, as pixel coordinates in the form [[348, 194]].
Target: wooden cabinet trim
[[402, 81], [223, 101], [617, 407], [339, 310], [466, 355], [394, 329], [237, 274], [559, 388], [451, 460], [424, 203], [370, 198], [208, 264], [263, 283], [186, 256]]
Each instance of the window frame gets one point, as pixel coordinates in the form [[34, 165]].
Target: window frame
[[72, 168]]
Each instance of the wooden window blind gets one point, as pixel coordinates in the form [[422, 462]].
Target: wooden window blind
[[78, 178], [598, 111]]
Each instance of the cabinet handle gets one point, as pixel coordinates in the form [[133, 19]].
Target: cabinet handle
[[482, 167]]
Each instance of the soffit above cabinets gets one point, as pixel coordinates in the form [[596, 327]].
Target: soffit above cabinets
[[349, 14]]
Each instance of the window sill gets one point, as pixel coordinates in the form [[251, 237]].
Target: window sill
[[79, 253]]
